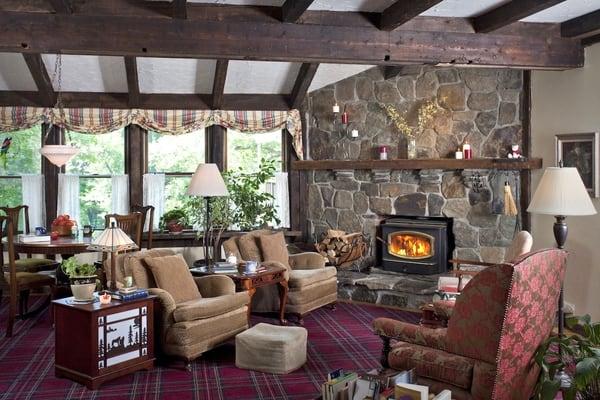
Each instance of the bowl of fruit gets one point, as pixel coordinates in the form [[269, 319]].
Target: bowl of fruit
[[63, 225]]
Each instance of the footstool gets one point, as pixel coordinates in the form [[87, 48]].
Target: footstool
[[271, 348]]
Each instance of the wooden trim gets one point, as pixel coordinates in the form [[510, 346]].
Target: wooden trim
[[292, 10], [216, 146], [525, 175], [430, 163], [61, 6], [149, 101], [219, 83], [133, 86], [305, 76], [40, 76], [179, 8], [136, 162], [509, 13], [582, 25], [203, 37], [588, 41], [403, 11]]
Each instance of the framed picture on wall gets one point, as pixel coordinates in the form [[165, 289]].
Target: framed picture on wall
[[581, 150]]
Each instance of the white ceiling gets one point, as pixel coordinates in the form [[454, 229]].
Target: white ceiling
[[261, 77], [175, 75], [14, 74], [331, 73]]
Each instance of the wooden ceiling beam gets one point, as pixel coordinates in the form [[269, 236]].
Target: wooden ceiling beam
[[292, 10], [133, 86], [149, 101], [179, 9], [219, 83], [403, 11], [590, 40], [509, 13], [40, 77], [273, 41], [583, 25], [61, 6], [305, 76]]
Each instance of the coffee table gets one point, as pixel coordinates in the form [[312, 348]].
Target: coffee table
[[273, 275]]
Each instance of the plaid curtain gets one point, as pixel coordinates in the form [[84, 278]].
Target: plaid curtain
[[172, 122]]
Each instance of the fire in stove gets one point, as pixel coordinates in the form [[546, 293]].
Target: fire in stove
[[410, 245]]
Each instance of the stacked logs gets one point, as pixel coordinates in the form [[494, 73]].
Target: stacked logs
[[342, 248]]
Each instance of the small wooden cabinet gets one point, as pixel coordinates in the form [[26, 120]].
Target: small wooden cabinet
[[96, 343]]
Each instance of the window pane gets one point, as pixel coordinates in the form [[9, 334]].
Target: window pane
[[170, 153], [245, 150], [95, 201], [98, 154], [175, 188], [10, 192], [23, 156]]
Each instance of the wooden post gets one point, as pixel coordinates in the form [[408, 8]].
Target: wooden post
[[136, 154], [216, 146], [50, 172], [525, 175]]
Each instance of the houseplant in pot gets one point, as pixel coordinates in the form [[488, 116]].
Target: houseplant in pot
[[174, 221], [82, 278]]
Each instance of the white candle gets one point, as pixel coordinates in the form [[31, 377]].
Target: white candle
[[336, 108], [354, 133]]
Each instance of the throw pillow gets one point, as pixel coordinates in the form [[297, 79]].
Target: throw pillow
[[274, 248], [249, 249], [172, 274]]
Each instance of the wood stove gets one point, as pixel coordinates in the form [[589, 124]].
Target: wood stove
[[416, 245]]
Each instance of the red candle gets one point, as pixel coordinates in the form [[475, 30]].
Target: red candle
[[344, 118]]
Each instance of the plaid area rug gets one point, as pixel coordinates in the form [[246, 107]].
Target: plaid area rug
[[336, 339]]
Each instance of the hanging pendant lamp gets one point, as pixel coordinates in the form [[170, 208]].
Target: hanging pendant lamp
[[58, 154]]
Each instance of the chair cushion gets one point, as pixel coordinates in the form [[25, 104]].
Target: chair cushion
[[274, 248], [135, 266], [30, 278], [172, 274], [34, 262], [432, 363], [249, 249], [209, 306], [304, 277]]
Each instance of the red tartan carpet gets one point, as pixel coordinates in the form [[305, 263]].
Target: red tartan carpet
[[336, 339]]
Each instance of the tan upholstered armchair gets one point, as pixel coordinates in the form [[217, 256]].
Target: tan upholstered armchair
[[189, 328], [311, 283]]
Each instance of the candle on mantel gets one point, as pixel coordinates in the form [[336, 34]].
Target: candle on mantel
[[336, 108], [354, 133], [345, 118]]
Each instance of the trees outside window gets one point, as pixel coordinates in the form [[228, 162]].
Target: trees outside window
[[245, 150]]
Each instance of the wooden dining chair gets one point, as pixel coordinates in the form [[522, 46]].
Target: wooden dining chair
[[15, 281], [147, 215], [131, 224]]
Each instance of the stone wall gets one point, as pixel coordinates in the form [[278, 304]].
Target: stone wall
[[478, 105]]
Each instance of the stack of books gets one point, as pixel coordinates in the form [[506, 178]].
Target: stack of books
[[34, 238], [129, 293], [339, 386], [224, 267]]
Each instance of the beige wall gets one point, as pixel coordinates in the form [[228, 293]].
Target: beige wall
[[569, 102]]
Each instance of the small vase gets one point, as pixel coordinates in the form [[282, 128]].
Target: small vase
[[412, 148], [83, 287]]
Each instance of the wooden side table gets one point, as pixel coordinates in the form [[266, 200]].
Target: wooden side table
[[273, 275], [96, 343]]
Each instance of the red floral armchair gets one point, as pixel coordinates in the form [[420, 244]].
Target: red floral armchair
[[500, 319]]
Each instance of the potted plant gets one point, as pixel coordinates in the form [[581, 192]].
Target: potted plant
[[174, 220], [63, 225], [578, 355], [82, 278]]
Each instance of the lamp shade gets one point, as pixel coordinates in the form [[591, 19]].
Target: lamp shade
[[561, 192], [207, 182], [58, 154], [111, 240]]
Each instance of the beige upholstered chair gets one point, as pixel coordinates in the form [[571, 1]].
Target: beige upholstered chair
[[311, 283], [187, 327]]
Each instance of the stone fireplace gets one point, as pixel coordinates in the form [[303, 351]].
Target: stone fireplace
[[415, 245]]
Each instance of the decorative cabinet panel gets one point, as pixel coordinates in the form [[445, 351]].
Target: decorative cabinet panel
[[96, 343]]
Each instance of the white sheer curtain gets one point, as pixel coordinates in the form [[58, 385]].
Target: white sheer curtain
[[154, 195], [120, 194], [282, 199], [32, 187], [68, 196]]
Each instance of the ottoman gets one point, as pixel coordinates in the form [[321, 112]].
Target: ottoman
[[271, 348]]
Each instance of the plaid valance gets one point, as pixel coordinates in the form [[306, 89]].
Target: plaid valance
[[171, 122]]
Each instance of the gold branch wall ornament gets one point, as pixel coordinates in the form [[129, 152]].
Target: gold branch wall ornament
[[425, 115]]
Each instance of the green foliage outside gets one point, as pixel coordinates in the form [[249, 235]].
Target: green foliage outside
[[244, 150]]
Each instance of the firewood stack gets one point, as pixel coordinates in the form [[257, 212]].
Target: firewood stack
[[341, 248]]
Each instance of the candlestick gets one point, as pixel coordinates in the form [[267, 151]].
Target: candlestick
[[336, 108], [345, 118], [354, 133]]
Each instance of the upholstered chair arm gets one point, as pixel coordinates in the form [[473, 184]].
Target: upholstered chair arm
[[308, 260], [410, 333], [443, 308], [167, 305], [278, 264], [215, 285]]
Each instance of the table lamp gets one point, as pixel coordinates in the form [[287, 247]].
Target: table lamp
[[112, 240], [207, 182], [561, 193]]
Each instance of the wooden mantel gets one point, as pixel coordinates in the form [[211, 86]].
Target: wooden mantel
[[425, 163]]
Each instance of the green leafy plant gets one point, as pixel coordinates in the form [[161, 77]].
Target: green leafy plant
[[74, 268], [578, 355], [178, 215], [252, 207]]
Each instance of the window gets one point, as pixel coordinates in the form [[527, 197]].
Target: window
[[22, 157], [245, 150], [177, 156], [100, 157]]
